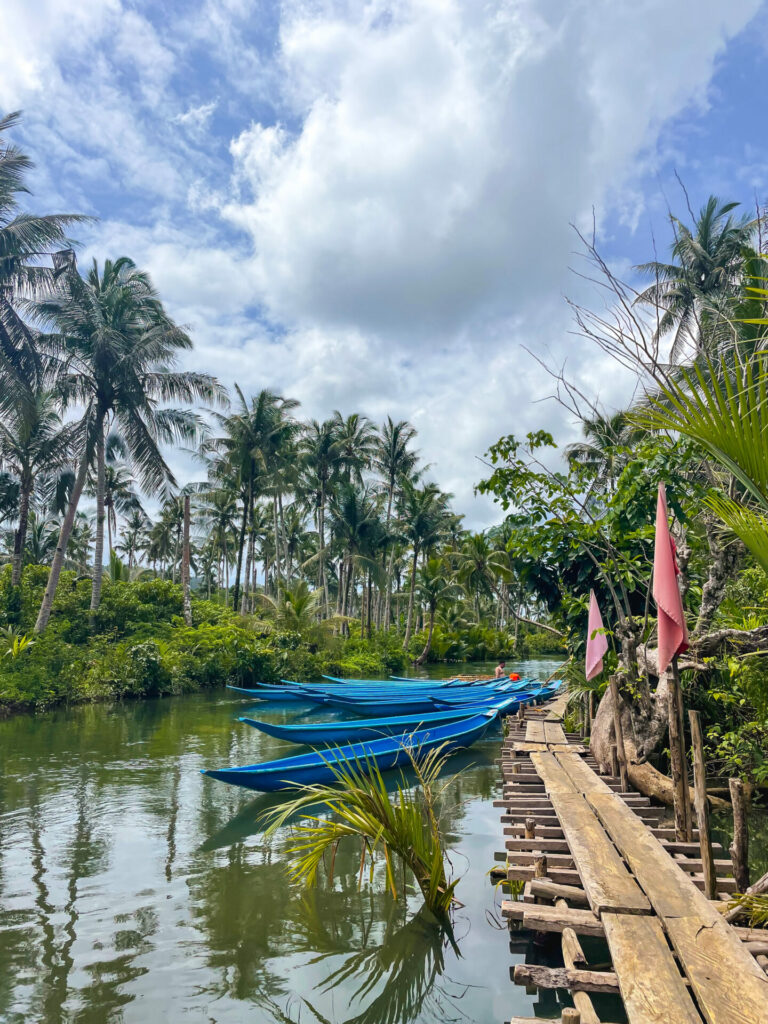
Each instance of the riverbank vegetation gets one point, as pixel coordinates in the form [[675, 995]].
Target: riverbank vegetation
[[299, 547]]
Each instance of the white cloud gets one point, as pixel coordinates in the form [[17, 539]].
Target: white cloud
[[407, 216], [196, 119], [445, 150]]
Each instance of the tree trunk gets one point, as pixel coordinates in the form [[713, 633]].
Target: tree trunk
[[321, 532], [726, 556], [98, 553], [409, 618], [61, 547], [428, 645], [249, 553], [390, 559], [241, 544], [278, 565], [20, 536], [185, 565]]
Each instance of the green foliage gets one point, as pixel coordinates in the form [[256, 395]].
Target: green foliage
[[400, 826]]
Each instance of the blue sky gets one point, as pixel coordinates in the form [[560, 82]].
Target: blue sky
[[367, 205]]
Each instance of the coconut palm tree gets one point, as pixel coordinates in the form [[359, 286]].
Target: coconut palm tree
[[118, 347], [219, 516], [354, 515], [135, 530], [394, 459], [32, 441], [479, 568], [321, 462], [603, 452], [421, 516], [356, 444], [707, 266], [434, 587], [246, 453]]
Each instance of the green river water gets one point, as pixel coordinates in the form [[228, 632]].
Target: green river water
[[134, 889]]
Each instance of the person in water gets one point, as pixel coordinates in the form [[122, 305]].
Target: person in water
[[501, 670]]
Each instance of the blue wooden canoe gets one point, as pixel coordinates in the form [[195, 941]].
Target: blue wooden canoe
[[267, 692], [388, 752], [357, 730]]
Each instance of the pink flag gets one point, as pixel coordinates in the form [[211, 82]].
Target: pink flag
[[673, 631], [597, 643]]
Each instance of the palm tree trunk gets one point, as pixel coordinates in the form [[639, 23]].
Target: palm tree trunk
[[409, 618], [247, 574], [390, 558], [428, 645], [278, 567], [20, 536], [98, 545], [61, 547], [283, 538], [321, 532], [185, 565], [370, 600], [241, 543], [109, 530]]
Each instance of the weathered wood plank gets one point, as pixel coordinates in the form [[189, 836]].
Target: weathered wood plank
[[562, 977], [651, 985], [543, 918], [545, 889], [553, 733], [551, 773], [606, 881], [726, 981], [534, 732]]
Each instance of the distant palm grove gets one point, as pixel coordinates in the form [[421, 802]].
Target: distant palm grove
[[300, 545]]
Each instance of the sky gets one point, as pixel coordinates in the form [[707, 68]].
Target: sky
[[369, 206]]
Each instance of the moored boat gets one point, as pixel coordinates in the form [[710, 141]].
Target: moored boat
[[388, 752]]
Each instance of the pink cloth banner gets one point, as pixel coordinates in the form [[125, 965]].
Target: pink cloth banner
[[672, 628], [597, 643]]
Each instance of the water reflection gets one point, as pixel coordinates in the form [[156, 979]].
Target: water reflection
[[134, 889]]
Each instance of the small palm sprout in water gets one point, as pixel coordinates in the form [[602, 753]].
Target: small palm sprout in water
[[403, 825]]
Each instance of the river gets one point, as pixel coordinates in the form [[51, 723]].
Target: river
[[134, 889]]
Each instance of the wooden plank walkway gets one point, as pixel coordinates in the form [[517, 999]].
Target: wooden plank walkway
[[581, 843]]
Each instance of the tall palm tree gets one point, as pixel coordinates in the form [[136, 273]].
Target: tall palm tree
[[356, 445], [421, 516], [434, 587], [603, 452], [707, 266], [321, 460], [247, 451], [219, 515], [355, 521], [32, 441], [134, 534], [479, 568], [118, 347], [394, 459]]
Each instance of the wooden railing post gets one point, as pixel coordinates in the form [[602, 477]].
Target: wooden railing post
[[739, 849], [677, 754], [702, 807]]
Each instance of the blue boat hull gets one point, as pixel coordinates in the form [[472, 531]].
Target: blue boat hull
[[389, 752], [358, 730], [272, 693]]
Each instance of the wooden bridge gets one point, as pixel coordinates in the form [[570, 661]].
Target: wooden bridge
[[599, 862]]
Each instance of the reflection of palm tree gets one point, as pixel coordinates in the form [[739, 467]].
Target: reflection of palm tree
[[406, 966]]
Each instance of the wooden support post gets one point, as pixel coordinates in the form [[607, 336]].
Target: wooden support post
[[739, 848], [677, 753], [591, 711], [530, 828], [540, 866], [614, 761], [570, 1015], [702, 807], [521, 713], [619, 735]]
